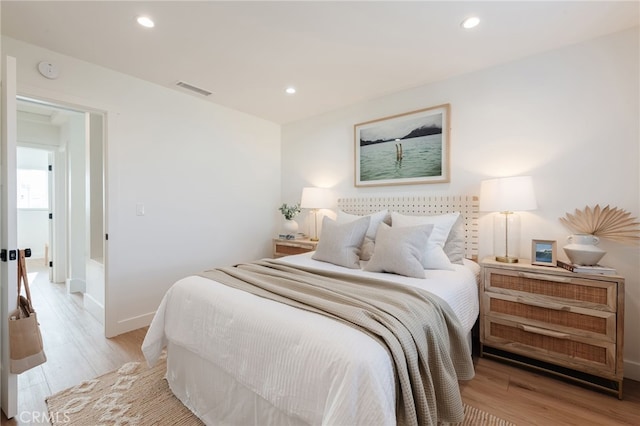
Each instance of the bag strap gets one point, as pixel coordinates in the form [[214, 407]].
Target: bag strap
[[23, 277]]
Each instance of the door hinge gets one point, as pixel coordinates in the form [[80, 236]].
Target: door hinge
[[50, 264], [106, 236], [50, 167], [50, 215]]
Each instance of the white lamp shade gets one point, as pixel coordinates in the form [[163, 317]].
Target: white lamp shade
[[507, 194], [315, 198]]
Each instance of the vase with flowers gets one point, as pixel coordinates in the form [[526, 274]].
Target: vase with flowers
[[592, 224], [290, 226]]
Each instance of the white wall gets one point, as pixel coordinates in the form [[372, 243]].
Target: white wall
[[93, 299], [73, 134], [37, 135], [570, 118], [208, 176], [33, 230], [33, 224], [95, 190]]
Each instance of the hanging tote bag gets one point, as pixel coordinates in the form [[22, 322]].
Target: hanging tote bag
[[25, 341]]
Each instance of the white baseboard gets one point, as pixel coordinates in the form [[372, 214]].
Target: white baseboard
[[95, 308], [75, 285], [632, 370], [129, 324]]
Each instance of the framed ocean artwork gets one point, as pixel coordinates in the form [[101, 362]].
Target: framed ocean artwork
[[403, 149]]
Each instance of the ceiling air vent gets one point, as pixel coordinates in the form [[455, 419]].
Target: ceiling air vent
[[193, 88]]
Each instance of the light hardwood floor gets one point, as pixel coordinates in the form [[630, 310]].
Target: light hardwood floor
[[77, 351], [528, 398], [74, 343]]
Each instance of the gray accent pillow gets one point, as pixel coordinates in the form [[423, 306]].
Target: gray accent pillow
[[454, 246], [399, 250], [369, 242], [340, 243]]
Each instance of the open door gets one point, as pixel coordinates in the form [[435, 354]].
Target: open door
[[8, 231]]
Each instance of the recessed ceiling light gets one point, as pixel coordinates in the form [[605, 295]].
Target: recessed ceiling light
[[291, 90], [470, 22], [145, 21]]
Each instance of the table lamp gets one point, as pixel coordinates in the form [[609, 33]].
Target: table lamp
[[506, 196], [315, 199]]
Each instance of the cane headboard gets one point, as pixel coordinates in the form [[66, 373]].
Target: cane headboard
[[467, 205]]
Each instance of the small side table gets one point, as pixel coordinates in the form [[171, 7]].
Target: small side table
[[282, 247], [566, 323]]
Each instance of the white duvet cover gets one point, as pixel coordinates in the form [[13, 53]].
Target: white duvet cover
[[236, 358]]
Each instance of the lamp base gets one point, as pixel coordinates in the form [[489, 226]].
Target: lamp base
[[506, 259]]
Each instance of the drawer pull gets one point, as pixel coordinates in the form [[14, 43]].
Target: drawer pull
[[546, 305], [545, 277], [543, 331]]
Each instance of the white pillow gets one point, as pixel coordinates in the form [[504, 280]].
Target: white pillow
[[340, 243], [434, 255], [454, 246], [368, 244], [399, 250]]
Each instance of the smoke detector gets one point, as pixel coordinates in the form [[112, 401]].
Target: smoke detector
[[48, 70]]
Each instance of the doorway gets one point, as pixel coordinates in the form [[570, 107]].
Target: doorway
[[73, 141]]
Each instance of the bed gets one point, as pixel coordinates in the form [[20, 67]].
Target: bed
[[237, 357]]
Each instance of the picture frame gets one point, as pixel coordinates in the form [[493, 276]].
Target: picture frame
[[544, 252], [404, 149]]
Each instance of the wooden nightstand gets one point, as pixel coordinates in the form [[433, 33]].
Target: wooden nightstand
[[566, 323], [288, 247]]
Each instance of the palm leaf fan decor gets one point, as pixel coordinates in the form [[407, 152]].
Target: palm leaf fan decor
[[611, 223]]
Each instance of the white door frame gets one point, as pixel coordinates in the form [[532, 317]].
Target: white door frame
[[8, 231]]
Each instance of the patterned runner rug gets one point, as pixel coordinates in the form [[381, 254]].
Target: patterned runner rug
[[135, 395]]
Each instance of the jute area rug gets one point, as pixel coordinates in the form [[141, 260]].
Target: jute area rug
[[136, 395]]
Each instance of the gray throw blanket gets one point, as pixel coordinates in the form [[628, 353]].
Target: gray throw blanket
[[427, 344]]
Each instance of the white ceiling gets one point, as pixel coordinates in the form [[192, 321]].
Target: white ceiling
[[335, 53]]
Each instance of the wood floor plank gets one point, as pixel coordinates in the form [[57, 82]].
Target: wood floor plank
[[32, 398], [77, 350], [534, 398]]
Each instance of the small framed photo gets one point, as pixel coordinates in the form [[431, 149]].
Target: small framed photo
[[543, 252]]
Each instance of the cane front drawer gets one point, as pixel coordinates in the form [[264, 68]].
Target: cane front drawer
[[288, 247]]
